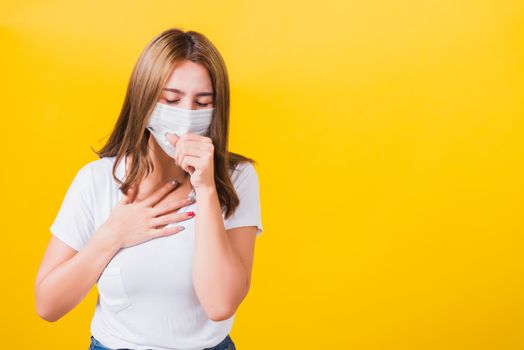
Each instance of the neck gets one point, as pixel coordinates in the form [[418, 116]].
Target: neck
[[165, 167]]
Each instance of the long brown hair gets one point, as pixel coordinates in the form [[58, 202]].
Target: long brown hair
[[151, 71]]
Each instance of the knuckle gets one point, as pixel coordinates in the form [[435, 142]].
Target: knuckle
[[171, 218], [165, 231], [160, 209], [151, 212]]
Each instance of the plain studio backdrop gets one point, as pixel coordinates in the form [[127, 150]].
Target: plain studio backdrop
[[390, 143]]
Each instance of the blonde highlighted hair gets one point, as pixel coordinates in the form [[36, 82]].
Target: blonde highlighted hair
[[151, 71]]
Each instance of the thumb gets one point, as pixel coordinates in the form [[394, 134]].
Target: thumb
[[172, 138], [128, 198]]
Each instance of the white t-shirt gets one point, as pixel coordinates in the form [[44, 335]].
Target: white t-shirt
[[146, 298]]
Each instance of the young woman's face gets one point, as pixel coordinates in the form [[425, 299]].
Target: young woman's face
[[188, 87]]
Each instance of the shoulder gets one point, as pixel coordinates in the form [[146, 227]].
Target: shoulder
[[244, 178], [242, 171], [96, 171]]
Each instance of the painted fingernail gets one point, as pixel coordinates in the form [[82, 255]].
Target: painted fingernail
[[191, 213]]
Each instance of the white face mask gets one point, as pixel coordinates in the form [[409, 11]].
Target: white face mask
[[178, 121]]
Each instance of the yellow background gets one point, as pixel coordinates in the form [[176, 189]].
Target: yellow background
[[390, 141]]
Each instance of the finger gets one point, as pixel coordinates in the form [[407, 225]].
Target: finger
[[153, 199], [166, 231], [131, 194], [190, 163], [193, 145], [196, 137], [171, 218], [194, 148], [124, 200], [169, 207], [127, 198], [187, 150], [172, 138]]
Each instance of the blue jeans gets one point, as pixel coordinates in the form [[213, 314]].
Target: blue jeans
[[226, 344]]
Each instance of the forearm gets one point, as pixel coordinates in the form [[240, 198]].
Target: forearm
[[66, 285], [219, 277]]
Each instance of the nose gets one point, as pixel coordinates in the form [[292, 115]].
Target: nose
[[187, 104]]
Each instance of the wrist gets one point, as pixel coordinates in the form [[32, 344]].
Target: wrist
[[107, 239], [205, 191]]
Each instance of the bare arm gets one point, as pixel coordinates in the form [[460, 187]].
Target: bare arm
[[223, 259], [66, 276]]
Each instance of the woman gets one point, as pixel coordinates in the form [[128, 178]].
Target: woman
[[164, 225]]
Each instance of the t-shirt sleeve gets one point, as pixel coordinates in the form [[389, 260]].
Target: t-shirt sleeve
[[248, 212], [74, 223]]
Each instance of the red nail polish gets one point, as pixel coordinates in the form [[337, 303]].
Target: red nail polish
[[191, 213]]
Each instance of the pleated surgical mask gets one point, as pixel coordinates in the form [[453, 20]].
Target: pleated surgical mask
[[177, 121]]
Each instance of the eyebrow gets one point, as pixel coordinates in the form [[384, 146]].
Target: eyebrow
[[183, 93]]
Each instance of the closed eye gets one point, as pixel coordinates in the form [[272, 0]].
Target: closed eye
[[198, 103]]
